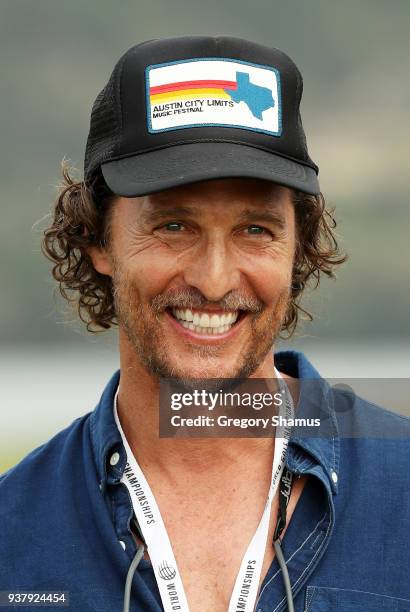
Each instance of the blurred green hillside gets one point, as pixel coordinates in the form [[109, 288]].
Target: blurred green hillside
[[56, 56]]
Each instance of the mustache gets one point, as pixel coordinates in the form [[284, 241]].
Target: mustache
[[187, 298]]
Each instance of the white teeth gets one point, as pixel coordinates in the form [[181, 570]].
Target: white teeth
[[185, 315], [204, 323], [215, 321]]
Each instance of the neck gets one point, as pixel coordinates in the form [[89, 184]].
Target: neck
[[179, 459]]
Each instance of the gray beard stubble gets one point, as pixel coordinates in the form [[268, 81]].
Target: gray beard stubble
[[151, 350]]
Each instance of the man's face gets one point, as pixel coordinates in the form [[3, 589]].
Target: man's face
[[202, 275]]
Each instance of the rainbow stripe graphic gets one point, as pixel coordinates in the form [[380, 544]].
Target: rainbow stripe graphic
[[185, 90]]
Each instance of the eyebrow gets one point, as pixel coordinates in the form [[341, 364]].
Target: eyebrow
[[269, 216], [162, 213]]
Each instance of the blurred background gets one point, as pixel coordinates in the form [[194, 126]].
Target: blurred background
[[56, 56]]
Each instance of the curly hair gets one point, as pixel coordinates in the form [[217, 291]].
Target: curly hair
[[81, 218]]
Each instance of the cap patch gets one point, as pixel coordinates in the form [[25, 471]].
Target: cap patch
[[213, 92]]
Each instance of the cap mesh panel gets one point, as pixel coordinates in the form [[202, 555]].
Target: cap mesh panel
[[105, 126]]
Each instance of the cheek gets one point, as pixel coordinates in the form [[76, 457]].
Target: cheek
[[272, 282], [146, 265], [270, 273]]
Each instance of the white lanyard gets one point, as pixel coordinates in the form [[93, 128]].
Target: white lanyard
[[159, 546]]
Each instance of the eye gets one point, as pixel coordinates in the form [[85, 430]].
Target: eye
[[172, 226], [176, 235], [260, 231]]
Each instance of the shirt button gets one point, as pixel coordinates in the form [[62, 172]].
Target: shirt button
[[114, 459], [334, 477], [122, 543]]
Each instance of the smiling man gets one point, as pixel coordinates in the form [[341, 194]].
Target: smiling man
[[196, 227], [200, 288]]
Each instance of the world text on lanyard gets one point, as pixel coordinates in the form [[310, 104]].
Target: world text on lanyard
[[156, 537]]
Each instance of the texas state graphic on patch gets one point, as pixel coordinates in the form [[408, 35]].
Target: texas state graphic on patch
[[213, 92]]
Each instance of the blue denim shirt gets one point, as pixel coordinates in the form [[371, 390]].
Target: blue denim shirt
[[65, 516]]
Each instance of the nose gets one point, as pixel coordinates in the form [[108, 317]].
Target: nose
[[213, 269]]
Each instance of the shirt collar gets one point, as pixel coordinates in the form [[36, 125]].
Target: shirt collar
[[314, 400], [105, 436]]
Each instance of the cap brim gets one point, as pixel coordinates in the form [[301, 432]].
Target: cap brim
[[183, 164]]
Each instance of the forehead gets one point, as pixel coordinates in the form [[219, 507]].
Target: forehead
[[219, 196]]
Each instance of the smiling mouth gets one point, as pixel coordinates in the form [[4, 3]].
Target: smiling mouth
[[206, 322]]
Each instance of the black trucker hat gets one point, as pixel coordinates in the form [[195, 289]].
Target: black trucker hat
[[180, 110]]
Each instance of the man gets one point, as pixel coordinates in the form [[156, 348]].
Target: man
[[196, 228]]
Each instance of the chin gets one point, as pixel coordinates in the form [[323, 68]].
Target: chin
[[205, 372], [212, 383]]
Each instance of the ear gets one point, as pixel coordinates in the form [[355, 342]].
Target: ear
[[101, 260]]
